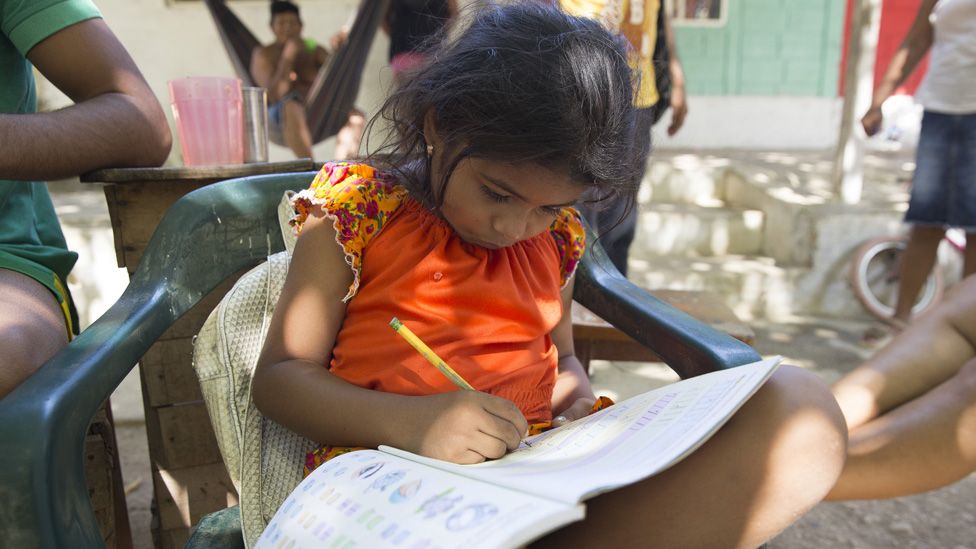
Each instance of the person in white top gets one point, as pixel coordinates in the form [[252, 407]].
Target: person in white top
[[944, 184]]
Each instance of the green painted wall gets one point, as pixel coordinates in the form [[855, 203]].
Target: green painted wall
[[766, 47]]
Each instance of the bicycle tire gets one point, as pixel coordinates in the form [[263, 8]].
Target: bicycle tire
[[874, 279]]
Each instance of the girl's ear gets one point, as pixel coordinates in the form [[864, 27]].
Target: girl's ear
[[430, 130]]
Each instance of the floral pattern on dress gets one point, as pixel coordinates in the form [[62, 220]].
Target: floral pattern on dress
[[358, 199], [570, 236]]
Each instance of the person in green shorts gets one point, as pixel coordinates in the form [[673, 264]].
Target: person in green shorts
[[115, 121]]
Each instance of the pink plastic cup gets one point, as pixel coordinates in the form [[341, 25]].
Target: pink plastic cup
[[209, 120]]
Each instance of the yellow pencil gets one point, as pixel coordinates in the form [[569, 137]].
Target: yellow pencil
[[430, 355]]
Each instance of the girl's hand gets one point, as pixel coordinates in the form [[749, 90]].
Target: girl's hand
[[582, 407], [464, 427]]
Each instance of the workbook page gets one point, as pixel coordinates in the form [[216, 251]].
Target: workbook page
[[371, 499], [624, 443]]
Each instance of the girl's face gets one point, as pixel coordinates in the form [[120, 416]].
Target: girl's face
[[494, 205]]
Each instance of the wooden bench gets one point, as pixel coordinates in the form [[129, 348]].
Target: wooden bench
[[594, 338]]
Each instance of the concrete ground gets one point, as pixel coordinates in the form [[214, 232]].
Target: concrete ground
[[829, 347]]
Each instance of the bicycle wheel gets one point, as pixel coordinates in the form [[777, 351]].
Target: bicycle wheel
[[874, 278]]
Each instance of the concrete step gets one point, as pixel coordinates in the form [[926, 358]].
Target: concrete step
[[684, 179], [686, 229], [803, 225]]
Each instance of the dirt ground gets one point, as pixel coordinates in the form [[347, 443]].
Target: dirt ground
[[941, 519]]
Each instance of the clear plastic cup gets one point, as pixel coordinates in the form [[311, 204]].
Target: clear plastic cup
[[209, 119]]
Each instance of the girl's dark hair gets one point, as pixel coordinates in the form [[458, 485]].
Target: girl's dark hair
[[524, 82]]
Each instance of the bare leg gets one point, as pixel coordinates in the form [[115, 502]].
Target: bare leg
[[925, 444], [772, 462], [350, 136], [32, 328], [919, 359], [911, 409], [916, 265], [297, 135], [969, 266]]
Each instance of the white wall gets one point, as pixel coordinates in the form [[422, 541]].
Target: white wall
[[173, 39], [748, 122]]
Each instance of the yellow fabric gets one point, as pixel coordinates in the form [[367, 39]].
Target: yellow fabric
[[638, 26], [65, 302]]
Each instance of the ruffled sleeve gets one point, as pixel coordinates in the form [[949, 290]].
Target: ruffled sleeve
[[567, 230], [358, 199]]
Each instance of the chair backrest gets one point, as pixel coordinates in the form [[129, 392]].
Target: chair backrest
[[263, 458]]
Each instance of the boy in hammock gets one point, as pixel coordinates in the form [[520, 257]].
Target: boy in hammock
[[287, 68]]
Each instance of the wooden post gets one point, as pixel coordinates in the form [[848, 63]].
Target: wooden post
[[848, 171]]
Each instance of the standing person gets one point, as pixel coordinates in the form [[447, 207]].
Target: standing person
[[115, 121], [465, 228], [911, 408], [287, 68], [647, 28], [944, 184], [410, 25]]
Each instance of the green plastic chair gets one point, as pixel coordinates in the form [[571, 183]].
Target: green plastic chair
[[205, 237]]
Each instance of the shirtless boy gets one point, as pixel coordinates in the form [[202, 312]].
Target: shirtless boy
[[287, 69]]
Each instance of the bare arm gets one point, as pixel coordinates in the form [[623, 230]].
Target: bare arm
[[913, 48], [115, 121], [679, 101], [275, 77], [292, 385], [299, 345], [572, 384], [930, 351]]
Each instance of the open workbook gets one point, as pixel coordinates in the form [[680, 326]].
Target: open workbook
[[389, 497]]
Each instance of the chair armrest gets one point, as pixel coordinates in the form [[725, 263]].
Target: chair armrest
[[45, 419], [689, 346], [206, 236]]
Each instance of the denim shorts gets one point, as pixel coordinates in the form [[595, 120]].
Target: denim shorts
[[944, 185]]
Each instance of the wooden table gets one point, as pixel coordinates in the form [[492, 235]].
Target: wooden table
[[595, 338], [189, 478]]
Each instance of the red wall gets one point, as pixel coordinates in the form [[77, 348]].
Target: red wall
[[896, 18]]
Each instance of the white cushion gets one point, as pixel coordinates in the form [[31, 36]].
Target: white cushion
[[263, 458]]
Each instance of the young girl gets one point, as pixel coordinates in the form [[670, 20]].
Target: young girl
[[466, 234]]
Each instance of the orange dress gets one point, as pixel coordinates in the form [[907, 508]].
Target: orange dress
[[487, 313]]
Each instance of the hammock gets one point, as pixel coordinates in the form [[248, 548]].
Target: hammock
[[335, 88]]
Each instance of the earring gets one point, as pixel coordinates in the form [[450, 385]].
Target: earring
[[430, 150]]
